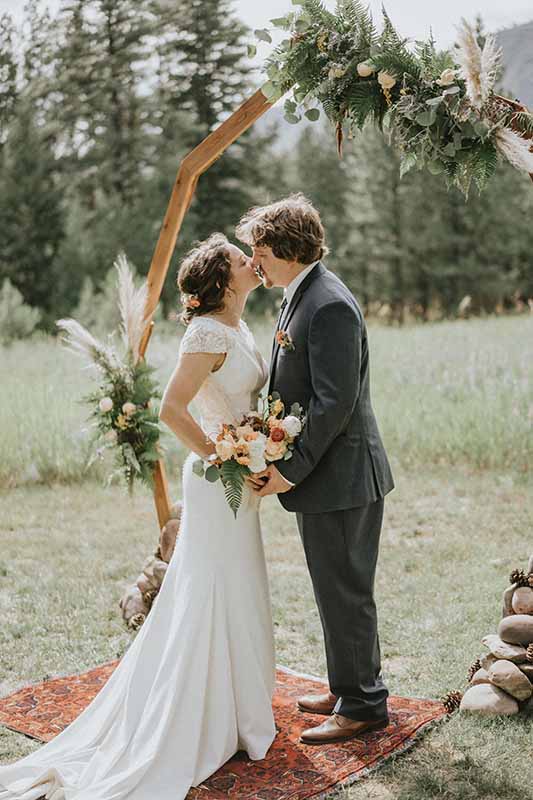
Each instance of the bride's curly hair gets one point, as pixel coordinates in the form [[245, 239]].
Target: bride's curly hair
[[204, 276]]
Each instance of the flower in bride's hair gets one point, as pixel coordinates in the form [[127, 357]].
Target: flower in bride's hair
[[225, 449], [191, 300]]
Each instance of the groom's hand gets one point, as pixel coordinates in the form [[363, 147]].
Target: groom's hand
[[275, 483]]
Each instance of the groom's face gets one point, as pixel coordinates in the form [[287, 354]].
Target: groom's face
[[274, 271]]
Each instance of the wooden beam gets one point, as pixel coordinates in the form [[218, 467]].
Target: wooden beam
[[192, 166]]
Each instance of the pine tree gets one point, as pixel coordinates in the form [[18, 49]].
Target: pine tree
[[31, 214], [8, 73], [204, 72]]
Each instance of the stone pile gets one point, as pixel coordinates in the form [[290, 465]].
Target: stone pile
[[138, 598], [501, 681]]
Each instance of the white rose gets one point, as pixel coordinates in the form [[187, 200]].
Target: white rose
[[111, 436], [256, 447], [386, 80], [364, 69], [291, 425], [105, 405], [447, 77], [257, 465], [129, 408]]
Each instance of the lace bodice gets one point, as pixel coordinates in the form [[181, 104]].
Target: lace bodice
[[234, 388]]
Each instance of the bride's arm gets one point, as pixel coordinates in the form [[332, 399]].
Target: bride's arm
[[190, 373]]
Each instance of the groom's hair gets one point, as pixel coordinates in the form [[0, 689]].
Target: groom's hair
[[291, 227]]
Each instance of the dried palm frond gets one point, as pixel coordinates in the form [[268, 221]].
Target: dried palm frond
[[479, 67], [515, 148], [81, 342], [132, 305]]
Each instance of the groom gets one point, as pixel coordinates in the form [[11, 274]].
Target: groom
[[339, 474]]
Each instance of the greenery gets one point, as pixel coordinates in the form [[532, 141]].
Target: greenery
[[427, 101], [456, 394], [17, 319], [81, 183]]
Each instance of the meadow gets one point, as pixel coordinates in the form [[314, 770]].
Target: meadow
[[455, 406]]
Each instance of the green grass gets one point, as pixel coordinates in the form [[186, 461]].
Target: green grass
[[444, 393], [459, 520]]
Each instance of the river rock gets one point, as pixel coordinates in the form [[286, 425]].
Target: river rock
[[481, 676], [487, 661], [501, 649], [488, 700], [527, 669], [523, 600], [508, 677], [507, 600], [516, 629]]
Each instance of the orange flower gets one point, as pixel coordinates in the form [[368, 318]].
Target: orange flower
[[277, 434]]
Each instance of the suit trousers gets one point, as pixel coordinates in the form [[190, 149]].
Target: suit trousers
[[341, 549]]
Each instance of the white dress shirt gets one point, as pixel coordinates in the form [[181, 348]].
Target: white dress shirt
[[288, 294], [289, 290]]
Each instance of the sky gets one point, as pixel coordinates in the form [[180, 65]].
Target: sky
[[412, 18]]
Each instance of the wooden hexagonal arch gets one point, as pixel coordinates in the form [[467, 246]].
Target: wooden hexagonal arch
[[192, 166]]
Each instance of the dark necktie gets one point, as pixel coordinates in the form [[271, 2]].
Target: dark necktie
[[280, 315]]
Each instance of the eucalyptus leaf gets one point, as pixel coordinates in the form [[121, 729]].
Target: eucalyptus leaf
[[212, 474], [435, 101], [263, 35], [290, 106], [198, 468], [301, 24], [435, 167], [252, 50], [269, 89], [281, 22], [313, 114], [426, 118], [407, 163], [449, 150], [451, 90], [292, 118]]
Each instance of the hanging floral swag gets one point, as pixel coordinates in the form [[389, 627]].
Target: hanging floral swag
[[438, 107], [124, 416]]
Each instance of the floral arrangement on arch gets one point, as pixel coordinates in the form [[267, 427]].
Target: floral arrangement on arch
[[123, 415], [438, 107]]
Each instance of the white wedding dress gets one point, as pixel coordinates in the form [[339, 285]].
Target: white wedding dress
[[196, 683]]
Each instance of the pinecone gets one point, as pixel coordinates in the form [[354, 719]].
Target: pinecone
[[136, 621], [452, 701], [473, 669], [519, 577], [149, 596], [529, 653]]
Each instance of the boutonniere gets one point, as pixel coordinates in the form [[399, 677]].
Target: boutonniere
[[284, 340]]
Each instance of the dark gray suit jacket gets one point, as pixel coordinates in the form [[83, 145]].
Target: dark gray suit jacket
[[339, 461]]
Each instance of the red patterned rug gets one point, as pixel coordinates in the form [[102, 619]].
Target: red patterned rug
[[291, 770]]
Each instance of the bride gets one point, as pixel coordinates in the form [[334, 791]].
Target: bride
[[196, 683]]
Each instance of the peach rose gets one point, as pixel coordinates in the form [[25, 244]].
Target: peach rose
[[275, 450]]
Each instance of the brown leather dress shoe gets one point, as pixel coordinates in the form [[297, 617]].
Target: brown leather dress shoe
[[317, 703], [338, 728]]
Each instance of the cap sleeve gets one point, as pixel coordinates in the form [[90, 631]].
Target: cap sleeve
[[205, 336]]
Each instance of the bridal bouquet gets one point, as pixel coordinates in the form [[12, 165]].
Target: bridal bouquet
[[248, 447]]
